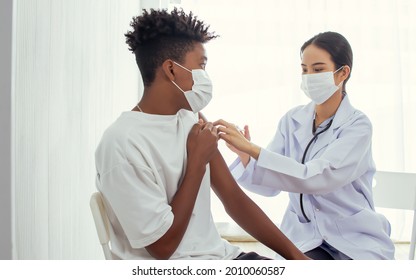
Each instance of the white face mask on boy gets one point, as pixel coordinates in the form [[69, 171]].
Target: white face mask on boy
[[319, 87], [201, 93]]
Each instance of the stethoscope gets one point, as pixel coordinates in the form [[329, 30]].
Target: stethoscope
[[304, 156]]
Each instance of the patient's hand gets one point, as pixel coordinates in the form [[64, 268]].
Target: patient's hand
[[202, 143]]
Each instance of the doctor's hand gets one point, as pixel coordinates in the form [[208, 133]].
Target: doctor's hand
[[244, 157], [202, 143], [240, 141]]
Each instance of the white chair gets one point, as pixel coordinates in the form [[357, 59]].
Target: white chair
[[102, 223], [397, 190]]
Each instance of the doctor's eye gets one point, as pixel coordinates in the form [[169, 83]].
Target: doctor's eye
[[203, 65], [318, 70]]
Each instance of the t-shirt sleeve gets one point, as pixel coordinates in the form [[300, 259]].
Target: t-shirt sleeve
[[139, 203]]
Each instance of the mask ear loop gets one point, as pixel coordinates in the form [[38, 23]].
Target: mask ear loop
[[178, 87], [340, 68], [183, 67]]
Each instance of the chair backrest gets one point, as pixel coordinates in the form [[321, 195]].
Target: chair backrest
[[397, 190], [102, 223]]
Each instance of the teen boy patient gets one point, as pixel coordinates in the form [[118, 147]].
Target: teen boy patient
[[157, 163]]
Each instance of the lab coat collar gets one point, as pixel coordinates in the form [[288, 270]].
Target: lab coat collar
[[343, 113], [305, 114], [303, 125], [304, 117]]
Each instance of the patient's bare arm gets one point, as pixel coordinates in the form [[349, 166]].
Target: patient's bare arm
[[246, 213]]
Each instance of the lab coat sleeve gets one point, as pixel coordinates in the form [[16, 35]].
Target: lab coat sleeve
[[345, 158], [244, 175]]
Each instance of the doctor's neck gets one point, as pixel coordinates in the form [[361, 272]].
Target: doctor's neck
[[328, 108]]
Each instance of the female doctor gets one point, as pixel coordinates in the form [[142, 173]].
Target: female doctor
[[320, 154]]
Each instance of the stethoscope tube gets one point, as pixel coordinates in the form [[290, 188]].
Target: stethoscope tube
[[304, 156]]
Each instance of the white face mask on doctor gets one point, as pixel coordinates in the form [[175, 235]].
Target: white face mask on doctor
[[201, 93], [319, 87]]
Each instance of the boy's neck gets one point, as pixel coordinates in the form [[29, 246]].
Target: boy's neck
[[159, 99]]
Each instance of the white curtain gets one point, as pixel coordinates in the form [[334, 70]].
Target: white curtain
[[74, 75], [255, 67]]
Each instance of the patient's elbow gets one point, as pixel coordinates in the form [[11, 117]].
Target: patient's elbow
[[160, 251]]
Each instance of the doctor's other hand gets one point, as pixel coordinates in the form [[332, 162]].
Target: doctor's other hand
[[238, 141], [202, 143], [244, 157]]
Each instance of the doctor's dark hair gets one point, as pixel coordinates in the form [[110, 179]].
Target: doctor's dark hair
[[337, 46], [159, 35]]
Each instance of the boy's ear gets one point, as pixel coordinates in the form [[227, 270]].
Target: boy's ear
[[167, 68]]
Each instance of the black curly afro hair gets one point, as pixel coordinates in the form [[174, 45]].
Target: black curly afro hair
[[159, 35]]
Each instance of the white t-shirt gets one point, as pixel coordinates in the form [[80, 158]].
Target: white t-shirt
[[140, 163]]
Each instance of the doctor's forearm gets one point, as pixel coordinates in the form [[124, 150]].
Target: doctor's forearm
[[253, 150]]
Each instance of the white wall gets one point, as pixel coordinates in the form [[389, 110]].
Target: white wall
[[74, 75], [6, 26]]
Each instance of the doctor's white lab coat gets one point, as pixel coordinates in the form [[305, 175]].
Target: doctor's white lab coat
[[336, 180]]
